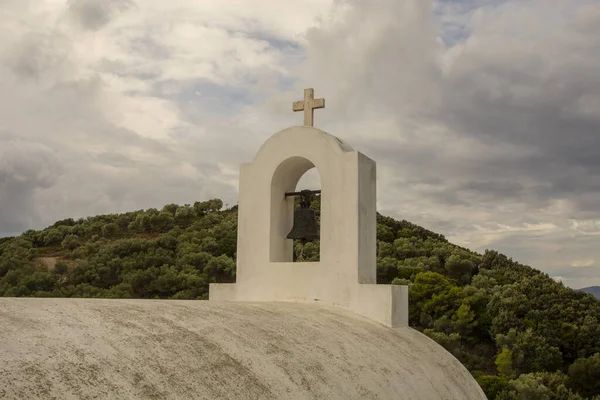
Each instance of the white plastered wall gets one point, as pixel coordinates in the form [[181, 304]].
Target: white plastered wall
[[346, 273]]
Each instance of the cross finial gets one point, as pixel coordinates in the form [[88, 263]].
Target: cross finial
[[308, 105]]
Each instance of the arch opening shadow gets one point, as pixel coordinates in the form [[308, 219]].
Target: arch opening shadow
[[310, 251], [293, 174]]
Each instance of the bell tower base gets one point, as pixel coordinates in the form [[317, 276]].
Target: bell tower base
[[387, 304]]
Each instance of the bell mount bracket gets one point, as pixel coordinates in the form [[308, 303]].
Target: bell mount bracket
[[305, 196]]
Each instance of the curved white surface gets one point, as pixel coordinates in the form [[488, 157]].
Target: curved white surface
[[156, 349]]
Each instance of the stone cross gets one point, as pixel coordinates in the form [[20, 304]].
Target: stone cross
[[308, 105]]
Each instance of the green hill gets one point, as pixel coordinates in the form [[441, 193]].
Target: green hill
[[593, 290], [521, 334]]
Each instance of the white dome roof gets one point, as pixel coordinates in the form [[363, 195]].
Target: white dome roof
[[88, 348]]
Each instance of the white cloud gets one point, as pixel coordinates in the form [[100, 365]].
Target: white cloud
[[582, 263]]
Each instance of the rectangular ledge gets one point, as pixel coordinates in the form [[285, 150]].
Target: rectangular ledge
[[386, 304]]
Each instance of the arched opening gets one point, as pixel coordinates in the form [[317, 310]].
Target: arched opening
[[309, 251], [291, 176]]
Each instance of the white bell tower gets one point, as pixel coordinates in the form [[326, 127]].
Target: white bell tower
[[346, 273]]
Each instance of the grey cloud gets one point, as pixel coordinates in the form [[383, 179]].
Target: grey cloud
[[531, 97], [37, 55], [104, 168], [113, 159], [70, 159], [95, 14], [496, 91], [494, 188], [148, 47], [25, 170], [576, 272]]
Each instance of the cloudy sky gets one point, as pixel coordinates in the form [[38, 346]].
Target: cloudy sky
[[483, 116]]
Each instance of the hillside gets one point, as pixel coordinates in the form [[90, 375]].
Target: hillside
[[593, 290], [520, 333]]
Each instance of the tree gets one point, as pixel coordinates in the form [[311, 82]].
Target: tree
[[492, 385], [459, 268], [64, 222], [387, 269], [482, 281], [162, 222], [531, 352], [409, 272], [385, 249], [184, 216], [209, 244], [53, 237], [308, 252], [122, 222], [544, 385], [464, 320], [509, 306], [214, 205], [171, 209], [504, 363], [61, 268], [450, 342], [71, 242], [401, 281], [196, 259], [18, 249], [385, 234], [405, 248], [110, 230], [584, 375], [428, 284], [219, 267], [201, 208]]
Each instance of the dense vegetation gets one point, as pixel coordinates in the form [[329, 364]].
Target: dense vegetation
[[520, 333]]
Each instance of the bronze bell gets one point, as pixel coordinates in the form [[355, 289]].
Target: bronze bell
[[305, 224]]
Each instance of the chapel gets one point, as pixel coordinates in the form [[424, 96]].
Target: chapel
[[283, 330]]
